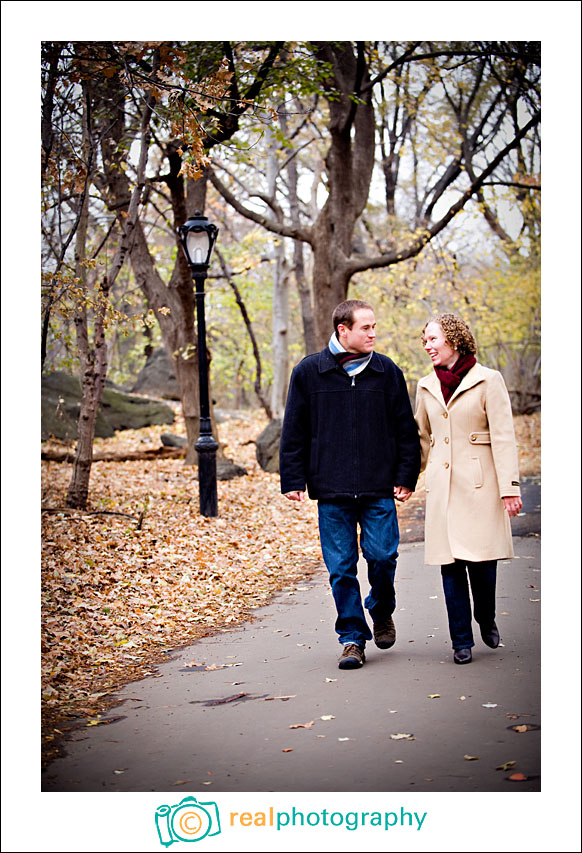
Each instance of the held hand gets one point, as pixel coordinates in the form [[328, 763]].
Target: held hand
[[401, 493], [295, 496], [513, 506]]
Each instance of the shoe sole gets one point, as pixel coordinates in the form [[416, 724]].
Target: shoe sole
[[350, 663], [384, 645]]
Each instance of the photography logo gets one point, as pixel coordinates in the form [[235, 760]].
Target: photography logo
[[187, 821]]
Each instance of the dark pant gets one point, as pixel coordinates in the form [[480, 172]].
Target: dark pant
[[483, 578], [338, 530]]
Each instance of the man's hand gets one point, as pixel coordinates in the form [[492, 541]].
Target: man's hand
[[401, 493], [295, 496], [513, 506]]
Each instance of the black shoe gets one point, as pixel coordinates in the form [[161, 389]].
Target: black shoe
[[462, 656], [491, 636], [385, 633], [352, 657]]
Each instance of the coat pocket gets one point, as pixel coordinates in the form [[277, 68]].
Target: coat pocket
[[480, 438], [477, 472]]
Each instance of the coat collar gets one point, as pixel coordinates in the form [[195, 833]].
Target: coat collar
[[432, 384], [327, 362]]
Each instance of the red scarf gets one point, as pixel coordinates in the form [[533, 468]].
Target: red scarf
[[451, 379]]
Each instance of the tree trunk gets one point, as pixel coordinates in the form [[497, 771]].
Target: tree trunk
[[298, 260], [280, 332]]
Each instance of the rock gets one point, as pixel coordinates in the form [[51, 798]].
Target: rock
[[268, 446], [226, 469], [61, 402], [170, 440], [157, 377]]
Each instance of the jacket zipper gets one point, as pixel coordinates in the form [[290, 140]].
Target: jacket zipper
[[354, 433]]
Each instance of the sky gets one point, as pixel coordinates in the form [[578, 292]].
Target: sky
[[530, 822]]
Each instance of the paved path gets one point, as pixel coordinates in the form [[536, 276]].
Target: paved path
[[215, 720]]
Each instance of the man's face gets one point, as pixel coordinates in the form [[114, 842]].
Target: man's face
[[361, 337]]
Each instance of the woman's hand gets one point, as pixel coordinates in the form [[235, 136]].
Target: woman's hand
[[513, 506]]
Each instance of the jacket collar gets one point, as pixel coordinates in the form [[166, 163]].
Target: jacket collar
[[327, 362], [432, 384]]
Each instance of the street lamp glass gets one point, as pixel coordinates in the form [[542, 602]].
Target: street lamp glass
[[198, 246]]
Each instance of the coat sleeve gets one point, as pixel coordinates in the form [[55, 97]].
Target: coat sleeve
[[407, 443], [294, 444], [424, 430], [503, 446]]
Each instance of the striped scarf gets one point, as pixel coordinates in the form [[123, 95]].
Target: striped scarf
[[352, 362]]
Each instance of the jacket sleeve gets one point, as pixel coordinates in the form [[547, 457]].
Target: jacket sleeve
[[407, 443], [503, 446], [294, 445], [424, 431]]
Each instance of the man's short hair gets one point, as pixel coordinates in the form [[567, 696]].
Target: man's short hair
[[344, 313]]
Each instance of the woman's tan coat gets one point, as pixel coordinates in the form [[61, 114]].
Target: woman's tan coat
[[470, 456]]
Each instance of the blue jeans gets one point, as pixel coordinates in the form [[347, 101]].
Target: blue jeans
[[338, 523], [483, 578]]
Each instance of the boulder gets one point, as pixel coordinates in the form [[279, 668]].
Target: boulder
[[157, 377], [61, 403], [226, 469], [268, 446]]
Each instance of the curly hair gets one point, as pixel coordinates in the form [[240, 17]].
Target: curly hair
[[456, 331]]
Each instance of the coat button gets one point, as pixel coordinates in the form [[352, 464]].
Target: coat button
[[446, 439], [445, 414], [473, 438], [446, 464]]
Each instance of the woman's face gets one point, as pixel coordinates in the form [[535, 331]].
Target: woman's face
[[437, 346]]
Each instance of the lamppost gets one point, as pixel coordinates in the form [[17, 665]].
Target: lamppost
[[198, 236]]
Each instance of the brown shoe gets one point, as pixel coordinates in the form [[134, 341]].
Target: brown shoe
[[385, 633], [352, 657]]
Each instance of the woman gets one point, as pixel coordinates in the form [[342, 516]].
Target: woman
[[468, 448]]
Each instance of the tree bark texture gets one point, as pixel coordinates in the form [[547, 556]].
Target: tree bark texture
[[349, 164]]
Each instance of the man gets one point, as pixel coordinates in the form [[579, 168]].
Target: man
[[350, 437]]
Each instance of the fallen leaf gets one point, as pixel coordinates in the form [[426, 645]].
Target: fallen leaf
[[344, 738], [490, 705], [462, 698], [180, 782], [434, 696], [471, 757], [399, 761], [194, 663], [287, 750], [120, 771], [302, 725], [518, 777], [327, 717], [211, 667], [207, 783], [330, 680], [400, 736], [506, 766], [433, 596]]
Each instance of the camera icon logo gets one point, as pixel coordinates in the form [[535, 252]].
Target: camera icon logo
[[189, 820]]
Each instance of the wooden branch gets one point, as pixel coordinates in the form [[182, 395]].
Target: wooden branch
[[296, 233], [127, 456], [67, 510]]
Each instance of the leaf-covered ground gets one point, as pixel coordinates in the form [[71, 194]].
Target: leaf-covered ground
[[117, 596]]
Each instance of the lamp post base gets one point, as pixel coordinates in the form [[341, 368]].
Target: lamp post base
[[207, 447]]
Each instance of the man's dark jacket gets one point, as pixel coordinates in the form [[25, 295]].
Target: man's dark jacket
[[346, 437]]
